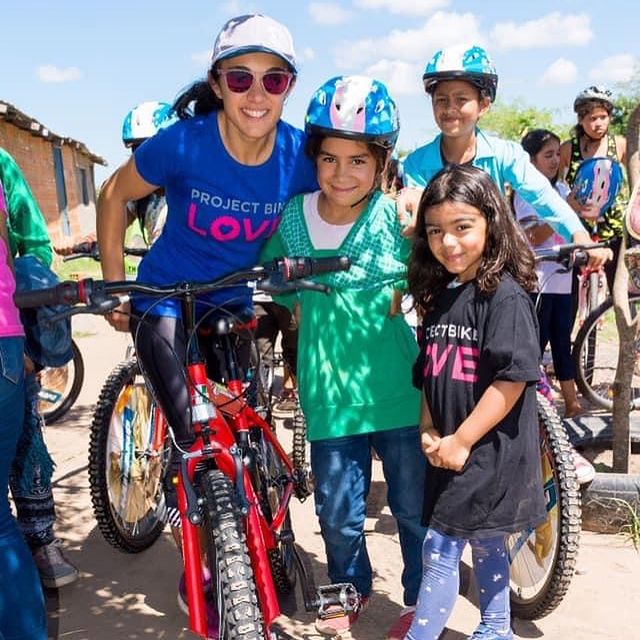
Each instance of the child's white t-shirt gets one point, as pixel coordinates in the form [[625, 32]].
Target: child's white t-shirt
[[550, 274], [324, 235]]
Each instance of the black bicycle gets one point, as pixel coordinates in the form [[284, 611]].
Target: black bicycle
[[543, 560]]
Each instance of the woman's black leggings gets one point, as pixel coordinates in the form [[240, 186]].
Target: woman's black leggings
[[161, 351]]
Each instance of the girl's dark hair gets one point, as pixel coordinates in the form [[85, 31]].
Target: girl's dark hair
[[198, 99], [533, 142], [506, 248], [379, 153]]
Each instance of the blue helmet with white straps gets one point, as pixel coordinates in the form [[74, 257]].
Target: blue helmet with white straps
[[462, 62], [354, 107], [145, 120]]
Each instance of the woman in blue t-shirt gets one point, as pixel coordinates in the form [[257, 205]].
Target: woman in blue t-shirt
[[228, 166]]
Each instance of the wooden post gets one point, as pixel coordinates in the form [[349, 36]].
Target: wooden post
[[626, 324]]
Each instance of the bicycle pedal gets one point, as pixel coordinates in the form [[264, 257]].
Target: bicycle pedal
[[303, 484], [343, 594]]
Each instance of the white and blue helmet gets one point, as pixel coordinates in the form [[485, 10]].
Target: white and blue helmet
[[595, 94], [462, 62], [145, 120], [597, 184], [354, 107]]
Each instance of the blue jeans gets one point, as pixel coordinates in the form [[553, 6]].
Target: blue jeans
[[22, 612], [342, 472]]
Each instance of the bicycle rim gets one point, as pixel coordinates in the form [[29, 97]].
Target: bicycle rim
[[60, 387], [543, 559], [595, 355], [125, 470]]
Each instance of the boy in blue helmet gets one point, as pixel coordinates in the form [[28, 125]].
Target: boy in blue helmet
[[353, 342], [462, 82]]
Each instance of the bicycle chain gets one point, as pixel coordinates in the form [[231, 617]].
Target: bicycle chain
[[302, 478]]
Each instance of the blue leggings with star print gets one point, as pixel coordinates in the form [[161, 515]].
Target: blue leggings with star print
[[441, 581]]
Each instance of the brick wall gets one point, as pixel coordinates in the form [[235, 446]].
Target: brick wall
[[34, 156]]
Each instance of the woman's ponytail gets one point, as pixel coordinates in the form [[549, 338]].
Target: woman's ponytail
[[197, 100]]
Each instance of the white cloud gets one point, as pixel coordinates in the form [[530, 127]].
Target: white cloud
[[51, 73], [402, 78], [404, 7], [328, 13], [552, 30], [561, 71], [412, 45], [620, 68], [307, 54]]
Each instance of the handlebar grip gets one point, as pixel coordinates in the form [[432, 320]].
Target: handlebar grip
[[89, 248], [66, 293], [296, 268], [580, 258]]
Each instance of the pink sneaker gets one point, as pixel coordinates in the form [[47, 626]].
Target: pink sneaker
[[401, 626], [338, 620], [585, 471]]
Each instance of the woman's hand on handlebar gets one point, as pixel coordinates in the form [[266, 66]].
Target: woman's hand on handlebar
[[67, 246], [597, 257], [119, 318]]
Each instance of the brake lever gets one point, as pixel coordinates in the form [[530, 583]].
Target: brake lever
[[103, 307], [278, 288]]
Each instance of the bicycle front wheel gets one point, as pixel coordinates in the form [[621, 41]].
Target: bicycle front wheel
[[229, 561], [60, 386], [543, 559], [128, 456], [595, 355]]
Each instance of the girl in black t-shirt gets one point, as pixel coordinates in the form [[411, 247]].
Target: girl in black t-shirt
[[470, 271]]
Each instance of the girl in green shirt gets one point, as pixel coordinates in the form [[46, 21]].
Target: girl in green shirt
[[355, 350]]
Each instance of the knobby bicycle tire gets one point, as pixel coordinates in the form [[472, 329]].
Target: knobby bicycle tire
[[230, 564], [595, 356], [543, 559], [55, 403], [125, 477], [270, 474]]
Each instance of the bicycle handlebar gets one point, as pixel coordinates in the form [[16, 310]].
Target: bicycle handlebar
[[90, 250], [570, 255], [100, 296]]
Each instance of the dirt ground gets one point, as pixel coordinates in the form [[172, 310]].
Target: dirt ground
[[132, 597]]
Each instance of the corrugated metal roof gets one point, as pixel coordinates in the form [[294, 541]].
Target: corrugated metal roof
[[20, 119]]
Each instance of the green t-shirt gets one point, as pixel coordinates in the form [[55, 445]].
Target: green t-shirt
[[354, 360], [27, 227]]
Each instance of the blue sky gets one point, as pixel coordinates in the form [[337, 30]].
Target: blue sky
[[78, 67]]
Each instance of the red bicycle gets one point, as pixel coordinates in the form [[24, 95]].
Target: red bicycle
[[235, 481]]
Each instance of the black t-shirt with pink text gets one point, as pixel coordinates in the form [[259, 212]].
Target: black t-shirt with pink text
[[469, 340]]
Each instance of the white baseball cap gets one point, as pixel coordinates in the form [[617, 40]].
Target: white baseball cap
[[254, 32]]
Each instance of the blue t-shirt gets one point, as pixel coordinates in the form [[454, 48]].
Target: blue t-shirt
[[220, 212], [504, 161]]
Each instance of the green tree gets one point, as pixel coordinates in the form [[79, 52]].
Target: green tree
[[627, 99], [512, 121]]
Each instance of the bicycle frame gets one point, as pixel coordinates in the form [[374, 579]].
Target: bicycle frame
[[221, 423]]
